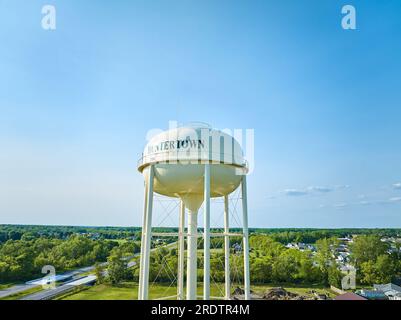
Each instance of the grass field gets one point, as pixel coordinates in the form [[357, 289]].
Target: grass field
[[129, 291]]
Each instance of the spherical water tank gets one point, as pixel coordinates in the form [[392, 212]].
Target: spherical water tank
[[178, 156]]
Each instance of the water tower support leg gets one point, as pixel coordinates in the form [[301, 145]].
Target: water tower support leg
[[206, 236], [246, 240], [181, 252], [140, 289], [191, 254], [148, 235], [227, 249]]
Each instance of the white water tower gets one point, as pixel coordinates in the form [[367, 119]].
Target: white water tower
[[193, 163]]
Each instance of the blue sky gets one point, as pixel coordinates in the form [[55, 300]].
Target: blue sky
[[325, 103]]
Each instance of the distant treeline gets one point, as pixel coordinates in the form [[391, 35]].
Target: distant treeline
[[312, 235], [29, 232], [282, 235]]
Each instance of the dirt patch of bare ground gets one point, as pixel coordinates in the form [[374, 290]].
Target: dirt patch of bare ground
[[279, 293]]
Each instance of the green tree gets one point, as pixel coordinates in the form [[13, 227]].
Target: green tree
[[386, 268], [261, 270], [368, 272], [367, 248], [99, 272], [325, 256], [117, 267], [307, 271], [380, 271], [334, 276], [285, 267]]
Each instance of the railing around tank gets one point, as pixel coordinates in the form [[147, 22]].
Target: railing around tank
[[194, 157]]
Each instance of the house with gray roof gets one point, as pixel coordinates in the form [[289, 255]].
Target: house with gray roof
[[392, 291]]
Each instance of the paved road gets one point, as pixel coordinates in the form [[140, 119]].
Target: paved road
[[48, 293], [77, 279], [31, 284], [64, 288], [16, 289]]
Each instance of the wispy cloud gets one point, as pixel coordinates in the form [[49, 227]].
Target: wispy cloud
[[397, 185], [295, 192], [378, 202], [386, 202], [362, 199], [342, 186], [341, 205], [320, 189], [312, 190]]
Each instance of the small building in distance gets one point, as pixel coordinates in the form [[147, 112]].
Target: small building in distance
[[301, 246], [392, 291], [237, 248], [372, 294]]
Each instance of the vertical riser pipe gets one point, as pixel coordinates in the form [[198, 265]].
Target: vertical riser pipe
[[227, 249], [246, 238], [191, 255], [206, 235], [181, 251]]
